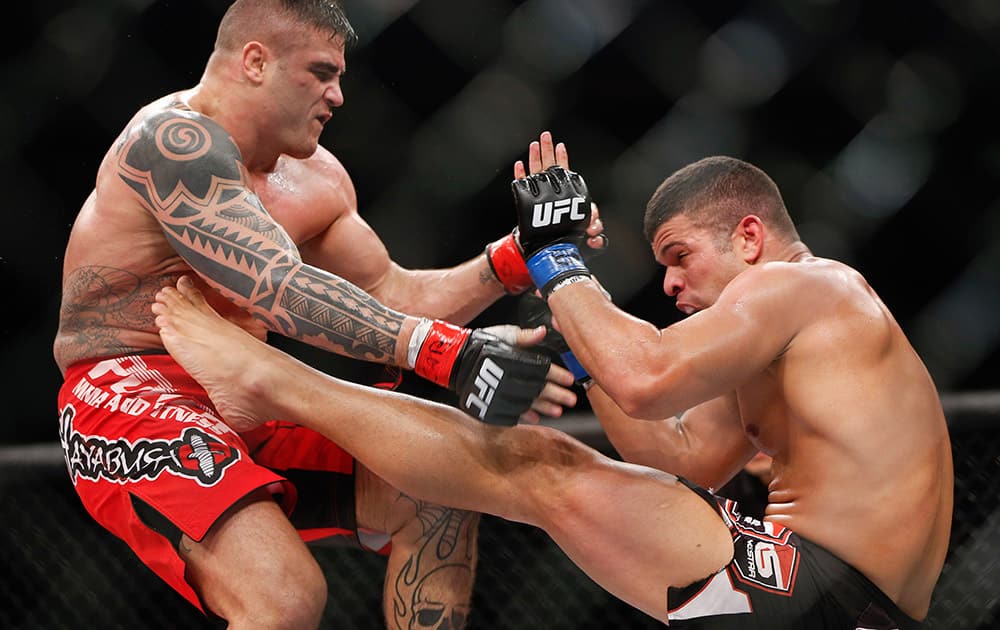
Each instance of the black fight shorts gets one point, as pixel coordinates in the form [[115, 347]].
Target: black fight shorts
[[778, 580]]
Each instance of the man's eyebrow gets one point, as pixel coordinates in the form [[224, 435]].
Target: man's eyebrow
[[668, 246], [326, 66]]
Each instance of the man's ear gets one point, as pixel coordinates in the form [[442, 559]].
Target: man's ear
[[254, 57], [749, 238]]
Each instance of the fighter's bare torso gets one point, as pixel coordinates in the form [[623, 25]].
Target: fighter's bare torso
[[838, 442], [118, 257]]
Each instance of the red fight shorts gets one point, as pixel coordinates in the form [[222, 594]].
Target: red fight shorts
[[151, 460]]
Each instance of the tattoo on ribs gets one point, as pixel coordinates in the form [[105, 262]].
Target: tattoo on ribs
[[99, 303], [189, 174]]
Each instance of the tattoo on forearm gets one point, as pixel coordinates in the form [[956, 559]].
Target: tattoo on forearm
[[486, 276], [189, 175]]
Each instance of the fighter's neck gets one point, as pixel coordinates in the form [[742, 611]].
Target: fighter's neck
[[204, 99], [796, 252]]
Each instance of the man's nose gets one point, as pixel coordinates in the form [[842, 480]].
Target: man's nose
[[672, 283], [334, 96]]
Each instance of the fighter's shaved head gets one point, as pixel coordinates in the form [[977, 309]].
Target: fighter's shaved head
[[274, 22]]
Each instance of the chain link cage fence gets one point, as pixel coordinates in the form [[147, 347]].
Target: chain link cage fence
[[871, 115], [61, 570]]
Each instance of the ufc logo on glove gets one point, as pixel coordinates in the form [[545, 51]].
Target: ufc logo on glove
[[552, 212], [486, 382]]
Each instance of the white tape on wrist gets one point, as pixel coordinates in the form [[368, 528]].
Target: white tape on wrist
[[416, 341], [565, 282]]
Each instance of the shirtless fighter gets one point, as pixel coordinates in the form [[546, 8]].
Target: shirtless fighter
[[783, 352], [786, 353], [226, 181]]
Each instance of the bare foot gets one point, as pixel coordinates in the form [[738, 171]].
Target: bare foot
[[216, 352]]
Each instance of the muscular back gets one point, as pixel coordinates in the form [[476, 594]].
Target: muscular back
[[859, 440]]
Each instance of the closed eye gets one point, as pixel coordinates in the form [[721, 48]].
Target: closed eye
[[674, 259], [325, 71]]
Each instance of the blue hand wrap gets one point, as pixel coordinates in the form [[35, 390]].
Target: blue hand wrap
[[555, 266], [573, 365]]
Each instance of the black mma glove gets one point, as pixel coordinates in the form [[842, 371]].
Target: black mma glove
[[552, 206], [553, 213], [495, 381], [532, 311]]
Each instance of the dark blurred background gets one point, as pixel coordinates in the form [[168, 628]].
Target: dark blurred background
[[878, 120]]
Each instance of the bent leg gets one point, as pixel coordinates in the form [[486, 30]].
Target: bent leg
[[634, 530], [432, 564], [253, 569]]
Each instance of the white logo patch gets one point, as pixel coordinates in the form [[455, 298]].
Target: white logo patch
[[486, 382], [552, 212]]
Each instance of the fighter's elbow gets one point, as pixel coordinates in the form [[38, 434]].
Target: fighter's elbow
[[636, 395], [647, 392], [641, 407]]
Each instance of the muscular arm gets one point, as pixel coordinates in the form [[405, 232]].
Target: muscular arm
[[189, 175], [352, 249], [705, 444], [658, 373]]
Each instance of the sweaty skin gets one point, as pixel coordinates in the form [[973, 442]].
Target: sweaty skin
[[226, 183], [795, 356], [632, 529], [119, 253], [147, 210], [260, 227]]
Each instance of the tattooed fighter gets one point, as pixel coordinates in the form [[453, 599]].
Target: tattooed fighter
[[226, 182]]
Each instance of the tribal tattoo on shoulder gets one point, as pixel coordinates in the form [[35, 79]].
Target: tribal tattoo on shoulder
[[189, 174]]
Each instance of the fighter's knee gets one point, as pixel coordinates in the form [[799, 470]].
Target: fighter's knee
[[293, 598], [305, 597], [283, 593]]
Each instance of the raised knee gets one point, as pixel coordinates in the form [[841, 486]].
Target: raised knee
[[290, 597]]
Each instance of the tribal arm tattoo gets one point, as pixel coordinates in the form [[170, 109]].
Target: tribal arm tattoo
[[189, 174]]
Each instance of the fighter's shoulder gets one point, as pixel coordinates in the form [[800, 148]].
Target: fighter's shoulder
[[326, 168], [169, 123], [809, 285], [325, 162]]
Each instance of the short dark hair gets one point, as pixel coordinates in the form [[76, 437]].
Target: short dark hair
[[717, 192], [244, 15]]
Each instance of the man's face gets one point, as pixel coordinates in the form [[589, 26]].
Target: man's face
[[698, 264], [305, 89]]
